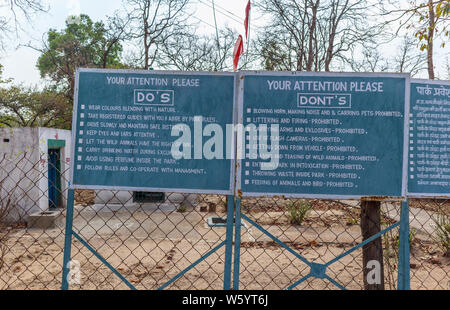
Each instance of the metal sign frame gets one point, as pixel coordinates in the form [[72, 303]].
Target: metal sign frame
[[232, 264]]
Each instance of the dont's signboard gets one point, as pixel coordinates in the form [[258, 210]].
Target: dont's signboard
[[324, 135]]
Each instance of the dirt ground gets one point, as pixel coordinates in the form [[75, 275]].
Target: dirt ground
[[149, 247], [84, 197]]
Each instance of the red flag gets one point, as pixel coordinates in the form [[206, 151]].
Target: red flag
[[247, 16], [238, 50]]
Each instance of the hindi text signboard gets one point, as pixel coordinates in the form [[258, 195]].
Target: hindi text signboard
[[429, 149]]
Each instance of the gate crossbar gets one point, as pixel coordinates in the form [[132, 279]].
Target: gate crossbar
[[317, 270]]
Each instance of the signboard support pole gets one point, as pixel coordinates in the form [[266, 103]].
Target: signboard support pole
[[404, 249], [229, 243], [68, 240], [237, 245]]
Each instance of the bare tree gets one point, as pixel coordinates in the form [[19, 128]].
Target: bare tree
[[117, 31], [426, 19], [15, 11], [447, 65], [311, 34], [371, 60], [199, 53], [3, 31], [155, 22], [407, 59], [25, 7]]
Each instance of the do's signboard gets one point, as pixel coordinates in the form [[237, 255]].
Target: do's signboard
[[149, 130], [429, 149], [323, 135]]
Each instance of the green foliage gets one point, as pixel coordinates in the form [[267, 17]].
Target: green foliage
[[396, 238], [391, 255], [298, 211], [433, 15], [442, 233], [83, 44], [412, 235], [27, 107], [391, 244], [273, 57], [181, 209], [352, 221], [443, 8], [3, 81]]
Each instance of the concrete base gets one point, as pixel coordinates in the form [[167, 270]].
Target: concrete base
[[125, 198], [187, 200], [43, 220], [121, 200]]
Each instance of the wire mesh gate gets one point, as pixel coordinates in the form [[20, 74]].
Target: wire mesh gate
[[306, 256], [160, 245], [271, 250], [130, 238]]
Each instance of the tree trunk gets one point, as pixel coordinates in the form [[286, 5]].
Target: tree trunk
[[146, 53], [373, 251], [312, 33]]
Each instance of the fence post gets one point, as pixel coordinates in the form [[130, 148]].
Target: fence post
[[373, 251], [229, 243], [404, 249], [68, 240], [237, 245]]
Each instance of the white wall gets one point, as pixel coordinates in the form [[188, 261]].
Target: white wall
[[56, 134], [24, 168], [19, 171]]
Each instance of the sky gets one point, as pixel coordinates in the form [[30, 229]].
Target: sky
[[20, 62]]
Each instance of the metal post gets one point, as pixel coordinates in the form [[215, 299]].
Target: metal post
[[229, 243], [404, 249], [237, 245], [68, 240]]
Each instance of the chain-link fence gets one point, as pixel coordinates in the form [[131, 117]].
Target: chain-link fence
[[30, 258], [174, 240], [430, 243]]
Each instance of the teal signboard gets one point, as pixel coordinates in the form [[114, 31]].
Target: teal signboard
[[429, 149], [123, 130], [339, 135]]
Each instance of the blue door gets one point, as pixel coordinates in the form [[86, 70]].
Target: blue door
[[54, 178]]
